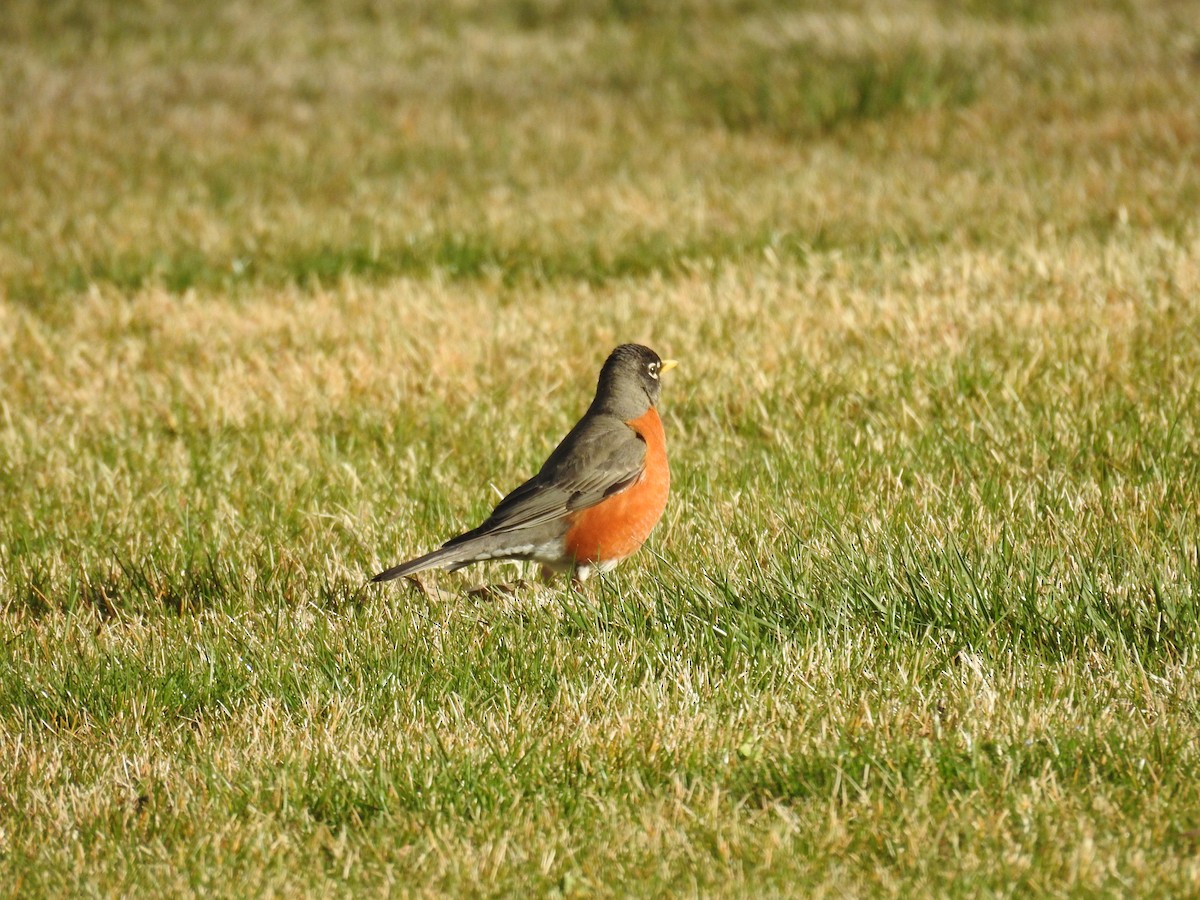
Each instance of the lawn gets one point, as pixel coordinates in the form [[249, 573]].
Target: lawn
[[290, 292]]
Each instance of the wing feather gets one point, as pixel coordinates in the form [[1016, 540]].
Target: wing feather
[[600, 457]]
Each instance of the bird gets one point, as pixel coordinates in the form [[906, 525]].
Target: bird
[[596, 498]]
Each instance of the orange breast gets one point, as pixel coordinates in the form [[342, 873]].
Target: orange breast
[[618, 525]]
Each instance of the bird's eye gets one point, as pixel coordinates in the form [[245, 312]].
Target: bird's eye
[[653, 369]]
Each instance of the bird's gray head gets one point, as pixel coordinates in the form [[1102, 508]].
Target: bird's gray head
[[629, 381]]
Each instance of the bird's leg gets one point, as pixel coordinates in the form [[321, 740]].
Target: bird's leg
[[579, 575]]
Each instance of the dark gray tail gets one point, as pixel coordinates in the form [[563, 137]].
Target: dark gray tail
[[454, 554], [438, 559]]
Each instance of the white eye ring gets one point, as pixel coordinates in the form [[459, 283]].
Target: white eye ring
[[653, 370]]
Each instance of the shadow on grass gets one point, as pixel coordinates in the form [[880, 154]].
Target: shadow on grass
[[148, 586]]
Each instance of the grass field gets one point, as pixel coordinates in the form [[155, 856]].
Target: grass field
[[288, 294]]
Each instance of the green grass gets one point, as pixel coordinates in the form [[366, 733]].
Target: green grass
[[288, 295]]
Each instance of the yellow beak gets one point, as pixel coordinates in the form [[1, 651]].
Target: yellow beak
[[667, 365]]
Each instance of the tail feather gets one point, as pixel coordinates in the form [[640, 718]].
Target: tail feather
[[441, 558], [454, 554]]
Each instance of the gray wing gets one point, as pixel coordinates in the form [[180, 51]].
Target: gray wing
[[600, 457]]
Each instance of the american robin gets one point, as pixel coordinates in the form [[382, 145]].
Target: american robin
[[598, 496]]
